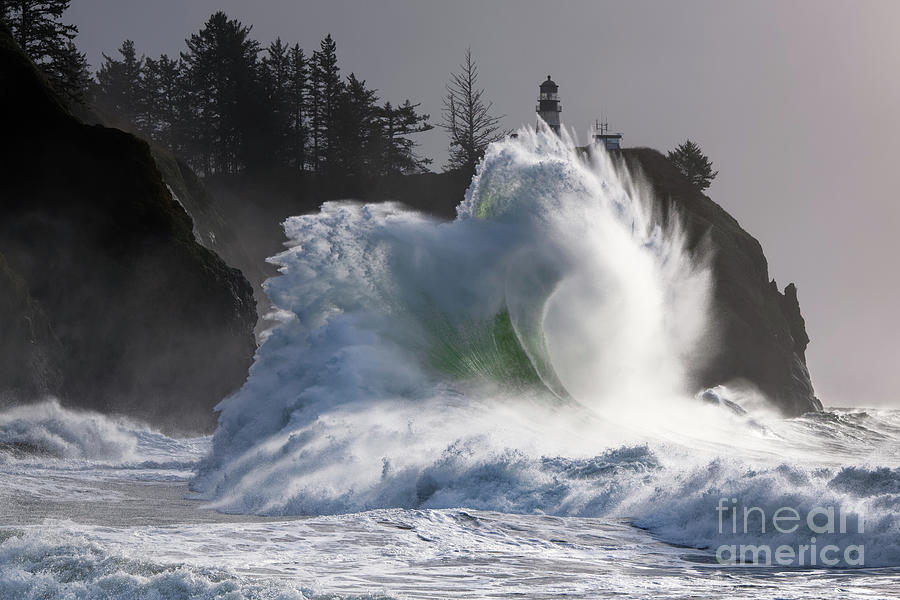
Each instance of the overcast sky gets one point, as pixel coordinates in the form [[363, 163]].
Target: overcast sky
[[797, 103]]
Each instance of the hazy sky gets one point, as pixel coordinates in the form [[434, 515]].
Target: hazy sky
[[797, 103]]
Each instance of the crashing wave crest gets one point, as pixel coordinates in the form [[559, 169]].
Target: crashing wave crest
[[531, 356]]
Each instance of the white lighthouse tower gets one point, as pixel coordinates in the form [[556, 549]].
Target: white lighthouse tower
[[548, 107]]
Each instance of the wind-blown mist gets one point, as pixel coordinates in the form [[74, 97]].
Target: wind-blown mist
[[531, 356]]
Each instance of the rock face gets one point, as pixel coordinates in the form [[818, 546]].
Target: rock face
[[30, 353], [112, 300], [211, 229], [761, 334]]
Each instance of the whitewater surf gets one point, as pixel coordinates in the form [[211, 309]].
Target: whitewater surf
[[498, 406]]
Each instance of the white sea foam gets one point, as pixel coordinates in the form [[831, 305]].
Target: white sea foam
[[37, 566], [48, 429], [50, 452]]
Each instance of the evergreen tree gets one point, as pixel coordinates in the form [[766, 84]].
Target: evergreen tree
[[693, 164], [325, 91], [467, 117], [353, 129], [69, 74], [149, 100], [367, 139], [223, 84], [37, 27], [397, 150], [178, 111], [163, 109], [314, 97], [297, 98], [276, 71], [119, 86]]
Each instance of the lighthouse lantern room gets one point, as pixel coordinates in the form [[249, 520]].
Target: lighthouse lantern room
[[548, 107]]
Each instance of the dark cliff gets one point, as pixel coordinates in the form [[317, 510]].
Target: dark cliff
[[761, 336], [30, 353], [110, 297], [211, 228]]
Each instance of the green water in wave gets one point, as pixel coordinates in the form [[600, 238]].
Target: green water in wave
[[487, 350]]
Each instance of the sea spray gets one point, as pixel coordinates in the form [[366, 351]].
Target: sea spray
[[47, 430], [532, 356], [552, 304], [607, 298]]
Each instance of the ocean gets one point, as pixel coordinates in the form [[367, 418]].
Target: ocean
[[496, 407]]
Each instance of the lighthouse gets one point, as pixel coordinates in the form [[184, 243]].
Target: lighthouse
[[548, 107]]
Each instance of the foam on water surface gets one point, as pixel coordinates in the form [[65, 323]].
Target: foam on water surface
[[493, 406]]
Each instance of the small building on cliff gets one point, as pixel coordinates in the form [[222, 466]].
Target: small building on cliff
[[601, 136]]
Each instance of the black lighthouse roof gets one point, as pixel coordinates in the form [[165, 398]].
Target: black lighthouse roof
[[549, 84]]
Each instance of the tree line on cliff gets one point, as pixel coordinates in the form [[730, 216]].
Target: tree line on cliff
[[37, 27], [225, 105]]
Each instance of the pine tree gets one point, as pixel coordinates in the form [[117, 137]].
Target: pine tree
[[315, 114], [177, 112], [69, 74], [160, 103], [352, 130], [37, 27], [397, 151], [467, 117], [297, 98], [276, 73], [325, 90], [693, 164], [119, 86], [222, 80], [367, 139], [149, 101]]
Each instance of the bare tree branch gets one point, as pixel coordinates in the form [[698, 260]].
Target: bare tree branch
[[467, 117]]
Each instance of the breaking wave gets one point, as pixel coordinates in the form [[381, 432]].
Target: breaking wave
[[47, 429], [532, 356], [41, 443]]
